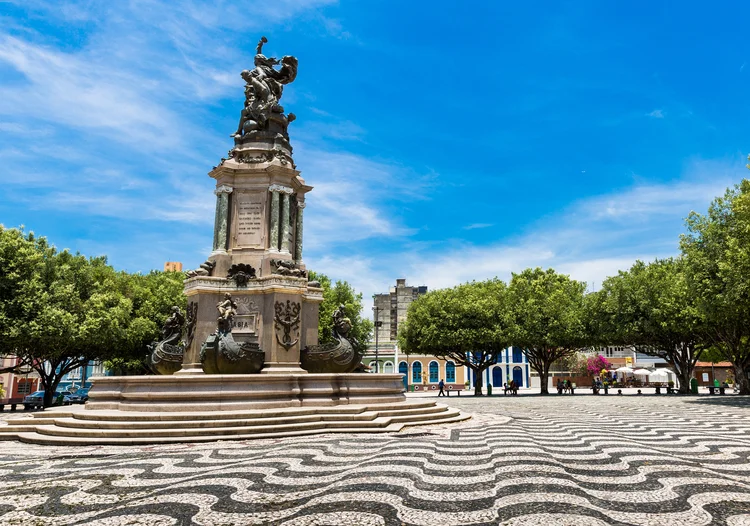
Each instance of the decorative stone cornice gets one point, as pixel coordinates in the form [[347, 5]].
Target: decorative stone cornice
[[223, 189], [216, 284], [301, 204], [281, 189]]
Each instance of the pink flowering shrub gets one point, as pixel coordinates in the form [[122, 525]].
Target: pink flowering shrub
[[595, 364]]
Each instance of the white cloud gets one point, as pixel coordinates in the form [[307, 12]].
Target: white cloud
[[656, 114], [591, 240], [474, 226]]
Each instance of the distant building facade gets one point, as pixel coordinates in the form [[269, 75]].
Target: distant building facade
[[17, 385], [421, 372], [172, 266]]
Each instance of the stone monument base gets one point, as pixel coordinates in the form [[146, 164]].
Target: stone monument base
[[132, 410]]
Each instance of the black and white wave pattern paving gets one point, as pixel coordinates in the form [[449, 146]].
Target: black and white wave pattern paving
[[580, 460]]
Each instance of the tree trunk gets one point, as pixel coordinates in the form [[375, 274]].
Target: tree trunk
[[543, 378], [684, 375], [478, 383], [740, 376], [50, 384]]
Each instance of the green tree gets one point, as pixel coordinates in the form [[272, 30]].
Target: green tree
[[717, 252], [650, 307], [548, 316], [334, 295], [61, 310], [468, 324], [21, 257], [153, 296]]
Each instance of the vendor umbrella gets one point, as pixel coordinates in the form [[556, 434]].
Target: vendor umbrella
[[659, 375], [624, 370], [642, 372]]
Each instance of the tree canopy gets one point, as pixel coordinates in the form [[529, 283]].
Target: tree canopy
[[548, 317], [717, 254], [60, 310], [468, 324], [650, 307]]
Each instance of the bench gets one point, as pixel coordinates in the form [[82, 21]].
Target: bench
[[12, 402]]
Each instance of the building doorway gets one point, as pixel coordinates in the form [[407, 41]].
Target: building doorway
[[497, 377], [518, 376]]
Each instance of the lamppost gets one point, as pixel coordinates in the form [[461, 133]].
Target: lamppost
[[378, 324]]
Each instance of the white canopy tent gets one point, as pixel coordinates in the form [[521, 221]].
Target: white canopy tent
[[624, 370], [641, 372], [663, 375]]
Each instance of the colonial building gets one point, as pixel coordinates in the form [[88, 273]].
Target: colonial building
[[420, 371], [17, 385]]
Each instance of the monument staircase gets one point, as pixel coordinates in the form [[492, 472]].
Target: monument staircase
[[78, 426]]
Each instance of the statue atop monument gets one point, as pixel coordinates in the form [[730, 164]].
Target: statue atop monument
[[264, 86]]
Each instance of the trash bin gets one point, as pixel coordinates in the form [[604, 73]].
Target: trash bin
[[694, 386], [489, 389]]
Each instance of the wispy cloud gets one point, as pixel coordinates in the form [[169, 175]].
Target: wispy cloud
[[656, 114], [474, 226], [590, 240]]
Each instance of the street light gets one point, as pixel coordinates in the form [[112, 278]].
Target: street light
[[378, 324]]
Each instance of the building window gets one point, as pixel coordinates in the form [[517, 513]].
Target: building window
[[434, 372], [517, 355], [416, 372], [450, 372], [372, 367], [388, 367], [24, 388], [403, 368]]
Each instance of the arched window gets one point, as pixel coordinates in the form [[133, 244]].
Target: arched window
[[388, 367], [416, 372], [403, 368], [450, 372], [517, 355], [434, 372], [372, 366]]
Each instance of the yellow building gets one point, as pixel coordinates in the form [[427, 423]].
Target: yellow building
[[172, 266]]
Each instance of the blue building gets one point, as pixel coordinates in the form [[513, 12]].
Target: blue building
[[81, 376], [511, 364]]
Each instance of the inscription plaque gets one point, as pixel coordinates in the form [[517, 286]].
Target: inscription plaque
[[245, 324], [248, 219]]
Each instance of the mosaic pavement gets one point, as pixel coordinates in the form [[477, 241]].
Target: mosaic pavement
[[580, 460]]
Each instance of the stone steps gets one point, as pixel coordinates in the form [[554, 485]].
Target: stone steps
[[124, 427], [204, 424]]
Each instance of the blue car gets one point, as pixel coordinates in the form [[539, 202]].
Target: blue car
[[36, 400]]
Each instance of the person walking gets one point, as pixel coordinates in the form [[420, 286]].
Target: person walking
[[441, 386], [559, 386]]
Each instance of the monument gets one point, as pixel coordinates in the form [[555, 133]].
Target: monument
[[257, 241], [245, 361]]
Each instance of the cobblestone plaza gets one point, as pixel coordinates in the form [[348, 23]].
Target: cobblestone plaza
[[578, 460]]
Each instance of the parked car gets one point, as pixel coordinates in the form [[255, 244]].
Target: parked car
[[36, 400], [83, 395], [73, 397]]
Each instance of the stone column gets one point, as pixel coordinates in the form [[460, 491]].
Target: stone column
[[274, 242], [221, 220], [298, 233], [285, 198], [280, 196]]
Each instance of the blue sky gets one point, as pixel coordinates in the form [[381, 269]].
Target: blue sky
[[446, 141]]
